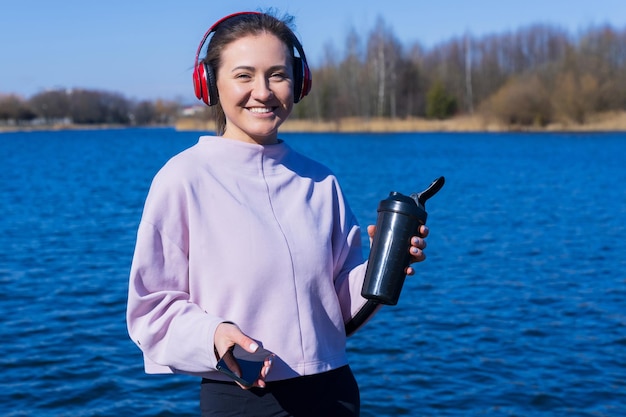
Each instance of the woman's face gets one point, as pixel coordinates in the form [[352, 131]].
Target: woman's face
[[255, 85]]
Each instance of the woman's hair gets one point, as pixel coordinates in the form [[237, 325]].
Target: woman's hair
[[238, 27]]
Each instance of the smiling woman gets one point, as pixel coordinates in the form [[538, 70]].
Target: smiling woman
[[256, 90], [247, 246], [234, 60]]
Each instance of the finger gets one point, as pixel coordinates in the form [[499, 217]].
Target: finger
[[423, 230], [248, 344], [267, 366], [418, 242], [371, 231], [416, 252], [418, 256]]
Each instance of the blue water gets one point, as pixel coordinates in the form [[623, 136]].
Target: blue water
[[519, 310]]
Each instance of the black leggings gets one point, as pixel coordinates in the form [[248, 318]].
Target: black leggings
[[333, 393]]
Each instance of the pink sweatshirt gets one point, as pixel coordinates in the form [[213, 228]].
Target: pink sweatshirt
[[257, 235]]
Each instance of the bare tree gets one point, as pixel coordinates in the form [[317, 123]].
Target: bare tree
[[15, 110], [53, 105], [353, 76], [383, 54]]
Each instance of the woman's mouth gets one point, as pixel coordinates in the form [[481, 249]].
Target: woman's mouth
[[260, 110]]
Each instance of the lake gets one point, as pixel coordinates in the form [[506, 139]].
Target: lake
[[519, 310]]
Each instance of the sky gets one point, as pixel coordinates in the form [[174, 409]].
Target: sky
[[145, 49]]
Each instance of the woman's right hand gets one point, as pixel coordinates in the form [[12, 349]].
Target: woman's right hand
[[227, 335]]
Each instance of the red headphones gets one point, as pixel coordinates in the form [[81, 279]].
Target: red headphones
[[205, 85]]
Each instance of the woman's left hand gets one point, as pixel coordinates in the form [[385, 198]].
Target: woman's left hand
[[418, 244]]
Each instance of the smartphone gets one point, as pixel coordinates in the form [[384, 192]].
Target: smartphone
[[243, 367]]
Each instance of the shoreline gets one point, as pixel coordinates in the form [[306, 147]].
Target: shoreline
[[605, 122]]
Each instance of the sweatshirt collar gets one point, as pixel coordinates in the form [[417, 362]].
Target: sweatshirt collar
[[243, 156]]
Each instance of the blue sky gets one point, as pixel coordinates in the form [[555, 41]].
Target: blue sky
[[144, 49]]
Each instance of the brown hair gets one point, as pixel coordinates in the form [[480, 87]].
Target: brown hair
[[235, 28]]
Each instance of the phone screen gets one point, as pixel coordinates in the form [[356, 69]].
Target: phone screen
[[242, 366]]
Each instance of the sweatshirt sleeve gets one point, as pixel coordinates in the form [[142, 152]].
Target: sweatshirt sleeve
[[173, 333]]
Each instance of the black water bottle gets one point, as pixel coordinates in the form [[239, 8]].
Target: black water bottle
[[399, 219]]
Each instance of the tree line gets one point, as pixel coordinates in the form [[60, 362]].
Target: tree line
[[84, 106], [531, 76]]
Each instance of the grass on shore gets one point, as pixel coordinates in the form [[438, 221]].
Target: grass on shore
[[604, 122]]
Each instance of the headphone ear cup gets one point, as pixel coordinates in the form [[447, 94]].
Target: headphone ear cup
[[211, 85], [204, 84], [307, 80], [297, 79], [301, 79], [200, 83]]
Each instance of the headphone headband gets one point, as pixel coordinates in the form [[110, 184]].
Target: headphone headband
[[204, 80], [213, 28]]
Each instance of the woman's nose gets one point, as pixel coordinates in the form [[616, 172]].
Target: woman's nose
[[261, 89]]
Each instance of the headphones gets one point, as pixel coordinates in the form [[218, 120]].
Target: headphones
[[204, 81]]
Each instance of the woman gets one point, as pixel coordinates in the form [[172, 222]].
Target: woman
[[246, 243]]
